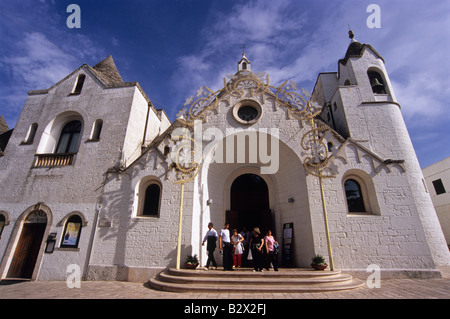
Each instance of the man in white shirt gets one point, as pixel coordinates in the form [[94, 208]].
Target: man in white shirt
[[210, 238], [226, 246]]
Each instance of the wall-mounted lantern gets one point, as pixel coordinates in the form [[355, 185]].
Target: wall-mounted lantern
[[51, 242]]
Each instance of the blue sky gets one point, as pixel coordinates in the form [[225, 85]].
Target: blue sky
[[172, 47]]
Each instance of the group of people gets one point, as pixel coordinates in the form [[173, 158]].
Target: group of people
[[239, 247]]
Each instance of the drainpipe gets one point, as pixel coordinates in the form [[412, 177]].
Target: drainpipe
[[146, 124], [93, 232]]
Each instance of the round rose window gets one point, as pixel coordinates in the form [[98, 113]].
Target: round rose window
[[247, 113]]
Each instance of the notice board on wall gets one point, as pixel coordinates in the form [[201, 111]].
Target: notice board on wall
[[288, 235]]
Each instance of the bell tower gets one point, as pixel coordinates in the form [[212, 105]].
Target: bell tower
[[244, 64], [359, 103], [364, 103]]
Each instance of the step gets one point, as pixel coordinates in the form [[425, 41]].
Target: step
[[252, 281], [176, 287], [249, 273], [12, 281], [286, 280]]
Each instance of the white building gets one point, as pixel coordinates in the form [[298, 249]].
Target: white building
[[437, 177], [89, 168]]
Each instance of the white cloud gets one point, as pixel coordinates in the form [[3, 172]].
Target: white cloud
[[419, 99], [294, 40], [36, 52], [258, 21], [415, 45], [290, 41], [264, 27], [38, 62]]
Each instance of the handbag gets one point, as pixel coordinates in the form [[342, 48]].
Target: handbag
[[250, 257], [276, 247]]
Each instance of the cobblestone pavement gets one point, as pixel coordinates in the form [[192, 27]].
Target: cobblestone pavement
[[390, 289]]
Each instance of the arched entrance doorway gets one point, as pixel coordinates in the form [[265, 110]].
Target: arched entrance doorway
[[249, 204], [28, 246], [288, 198]]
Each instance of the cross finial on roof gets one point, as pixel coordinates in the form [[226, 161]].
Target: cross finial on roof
[[243, 47], [351, 35]]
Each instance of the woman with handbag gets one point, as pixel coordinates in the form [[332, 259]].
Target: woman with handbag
[[256, 245], [271, 250], [236, 241]]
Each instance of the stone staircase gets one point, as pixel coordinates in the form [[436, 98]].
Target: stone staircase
[[245, 280]]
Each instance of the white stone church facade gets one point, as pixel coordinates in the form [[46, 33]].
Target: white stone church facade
[[88, 177]]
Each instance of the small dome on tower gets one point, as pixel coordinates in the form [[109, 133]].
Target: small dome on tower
[[356, 48]]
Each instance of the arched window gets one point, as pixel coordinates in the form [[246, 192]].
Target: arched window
[[79, 85], [96, 130], [30, 134], [69, 138], [72, 231], [151, 201], [354, 196], [376, 82], [2, 224]]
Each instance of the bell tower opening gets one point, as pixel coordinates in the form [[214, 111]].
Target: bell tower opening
[[249, 204]]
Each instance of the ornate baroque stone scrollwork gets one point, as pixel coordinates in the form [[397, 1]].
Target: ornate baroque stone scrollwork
[[183, 166], [318, 159], [298, 103]]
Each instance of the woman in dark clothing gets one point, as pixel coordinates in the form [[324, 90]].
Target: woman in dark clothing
[[256, 245]]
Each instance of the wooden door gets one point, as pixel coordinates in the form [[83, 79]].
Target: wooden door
[[27, 251], [266, 222], [232, 217]]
